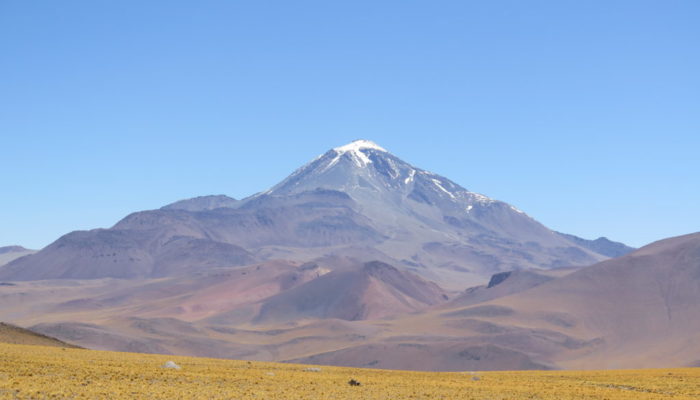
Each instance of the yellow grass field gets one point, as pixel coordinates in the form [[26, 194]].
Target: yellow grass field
[[37, 372]]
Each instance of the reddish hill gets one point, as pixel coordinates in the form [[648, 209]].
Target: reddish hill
[[374, 290]]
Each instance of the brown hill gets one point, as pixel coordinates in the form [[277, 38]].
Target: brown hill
[[639, 310], [374, 290], [218, 294], [15, 335]]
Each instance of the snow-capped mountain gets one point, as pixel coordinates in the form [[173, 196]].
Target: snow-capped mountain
[[369, 173], [363, 169], [432, 224], [357, 201]]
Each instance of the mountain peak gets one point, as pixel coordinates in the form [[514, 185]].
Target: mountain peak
[[363, 170], [358, 145], [356, 151], [11, 249]]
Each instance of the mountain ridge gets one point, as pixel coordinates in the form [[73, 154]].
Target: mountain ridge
[[203, 203], [11, 253]]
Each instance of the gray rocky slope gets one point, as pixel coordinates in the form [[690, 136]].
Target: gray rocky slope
[[203, 203]]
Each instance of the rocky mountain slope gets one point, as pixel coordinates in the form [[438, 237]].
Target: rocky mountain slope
[[203, 203]]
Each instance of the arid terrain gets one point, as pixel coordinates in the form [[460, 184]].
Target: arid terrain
[[636, 311], [397, 200], [37, 372]]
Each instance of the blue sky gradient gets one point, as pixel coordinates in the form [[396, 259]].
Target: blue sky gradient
[[586, 115]]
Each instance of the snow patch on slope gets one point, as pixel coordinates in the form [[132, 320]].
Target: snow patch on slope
[[439, 185], [517, 210], [409, 179], [480, 198]]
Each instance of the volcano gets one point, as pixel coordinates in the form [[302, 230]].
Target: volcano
[[357, 201]]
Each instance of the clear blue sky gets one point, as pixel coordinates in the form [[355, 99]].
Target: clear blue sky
[[584, 114]]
